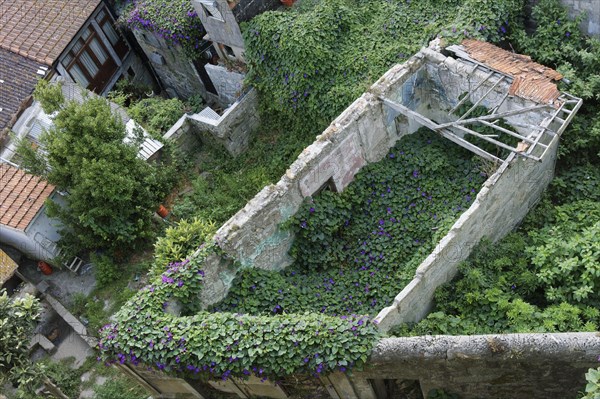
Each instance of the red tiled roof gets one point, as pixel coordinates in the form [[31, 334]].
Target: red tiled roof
[[532, 81], [21, 196], [41, 29]]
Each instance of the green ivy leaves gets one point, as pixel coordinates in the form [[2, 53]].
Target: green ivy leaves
[[228, 344], [355, 250], [311, 62]]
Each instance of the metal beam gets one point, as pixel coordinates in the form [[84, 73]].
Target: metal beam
[[481, 99], [496, 142], [497, 107], [571, 113], [511, 133], [497, 116], [447, 133], [468, 95]]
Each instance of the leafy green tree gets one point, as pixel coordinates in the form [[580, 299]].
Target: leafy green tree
[[18, 318], [111, 191]]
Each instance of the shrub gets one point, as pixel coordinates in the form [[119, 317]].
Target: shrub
[[18, 319], [180, 241], [157, 114], [106, 270], [592, 389], [567, 254], [581, 182], [49, 95], [119, 388]]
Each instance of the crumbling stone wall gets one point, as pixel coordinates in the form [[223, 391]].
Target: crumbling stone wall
[[363, 133], [232, 129], [506, 197]]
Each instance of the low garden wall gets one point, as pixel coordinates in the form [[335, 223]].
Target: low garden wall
[[232, 129]]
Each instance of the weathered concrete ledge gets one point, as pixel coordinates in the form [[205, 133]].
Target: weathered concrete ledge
[[483, 366]]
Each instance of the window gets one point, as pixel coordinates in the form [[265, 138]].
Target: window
[[211, 8], [88, 62], [118, 43], [79, 76]]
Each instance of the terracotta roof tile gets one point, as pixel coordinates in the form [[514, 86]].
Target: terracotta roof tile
[[21, 196], [18, 76], [51, 23], [532, 81]]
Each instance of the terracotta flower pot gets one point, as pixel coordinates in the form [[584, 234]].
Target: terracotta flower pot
[[287, 3], [44, 267], [162, 211]]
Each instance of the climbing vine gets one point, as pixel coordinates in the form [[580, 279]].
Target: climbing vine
[[176, 21], [228, 344], [355, 250], [311, 62]]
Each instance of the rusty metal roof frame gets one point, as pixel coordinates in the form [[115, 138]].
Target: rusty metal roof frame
[[565, 106]]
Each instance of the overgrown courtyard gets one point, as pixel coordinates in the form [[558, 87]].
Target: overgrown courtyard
[[357, 249]]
